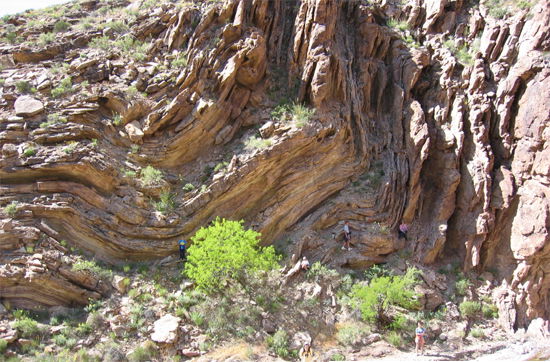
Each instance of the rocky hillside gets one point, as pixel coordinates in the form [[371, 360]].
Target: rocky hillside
[[127, 125]]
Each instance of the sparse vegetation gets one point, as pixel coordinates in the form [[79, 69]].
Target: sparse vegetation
[[29, 151], [477, 333], [61, 26], [400, 25], [23, 86], [351, 334], [395, 339], [65, 87], [469, 309], [11, 209], [489, 310], [188, 187], [146, 352], [3, 345], [118, 26], [278, 344], [134, 149], [25, 325], [150, 176], [117, 119], [462, 285], [299, 113], [180, 61], [70, 147], [257, 143], [92, 267], [166, 202], [45, 39]]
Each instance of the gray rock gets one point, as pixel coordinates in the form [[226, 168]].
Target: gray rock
[[166, 329], [28, 106]]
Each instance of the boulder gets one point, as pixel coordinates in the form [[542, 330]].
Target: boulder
[[134, 131], [121, 283], [539, 329], [27, 106], [166, 329]]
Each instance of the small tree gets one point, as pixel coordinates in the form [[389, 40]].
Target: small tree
[[225, 252], [375, 299]]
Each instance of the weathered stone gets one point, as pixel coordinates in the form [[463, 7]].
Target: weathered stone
[[27, 106], [134, 131], [166, 329]]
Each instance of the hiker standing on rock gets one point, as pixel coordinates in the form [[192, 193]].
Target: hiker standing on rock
[[182, 243], [347, 236]]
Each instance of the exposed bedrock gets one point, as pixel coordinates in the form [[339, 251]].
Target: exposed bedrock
[[405, 129]]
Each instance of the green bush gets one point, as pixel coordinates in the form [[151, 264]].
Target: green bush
[[117, 119], [180, 61], [188, 187], [150, 176], [337, 357], [61, 26], [166, 202], [278, 343], [301, 114], [83, 329], [489, 311], [118, 26], [102, 42], [23, 86], [11, 209], [225, 252], [92, 267], [27, 327], [65, 87], [70, 147], [469, 308], [197, 318], [400, 25], [462, 286], [375, 299], [319, 271]]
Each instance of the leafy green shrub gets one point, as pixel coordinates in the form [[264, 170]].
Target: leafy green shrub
[[61, 26], [469, 308], [134, 149], [489, 311], [400, 25], [129, 173], [166, 202], [255, 143], [301, 114], [117, 119], [71, 146], [524, 5], [118, 26], [462, 286], [83, 329], [29, 151], [188, 187], [337, 357], [55, 118], [131, 47], [375, 299], [26, 326], [278, 343], [23, 86], [93, 305], [102, 42], [150, 176], [395, 339], [497, 9], [11, 209], [477, 333], [92, 267], [197, 318], [65, 87], [220, 166], [3, 345], [226, 252]]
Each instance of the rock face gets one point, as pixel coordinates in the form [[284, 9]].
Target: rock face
[[165, 329], [443, 126]]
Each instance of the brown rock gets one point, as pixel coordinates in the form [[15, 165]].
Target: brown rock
[[27, 106]]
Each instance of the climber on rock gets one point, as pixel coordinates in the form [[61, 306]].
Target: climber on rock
[[304, 264], [182, 244], [306, 353], [402, 232], [347, 237]]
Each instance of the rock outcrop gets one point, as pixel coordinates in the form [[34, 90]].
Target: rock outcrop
[[440, 121]]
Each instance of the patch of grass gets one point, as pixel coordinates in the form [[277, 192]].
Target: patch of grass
[[23, 86], [45, 39], [102, 42], [257, 143], [477, 333], [71, 146], [318, 271], [469, 308], [118, 26], [26, 326], [94, 143], [150, 176], [3, 345], [410, 41], [278, 343], [11, 209], [301, 114], [146, 352], [131, 47], [197, 318], [352, 333], [61, 26], [180, 61], [129, 173], [56, 118], [29, 151], [400, 25], [220, 166], [462, 285], [395, 339], [92, 267], [497, 9], [65, 87], [524, 5], [337, 357], [83, 329]]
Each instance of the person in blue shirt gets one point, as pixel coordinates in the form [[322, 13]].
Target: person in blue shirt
[[182, 243], [419, 339]]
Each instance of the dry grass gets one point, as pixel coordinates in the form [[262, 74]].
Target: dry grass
[[235, 350]]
